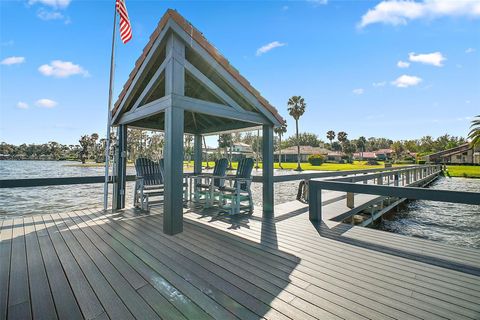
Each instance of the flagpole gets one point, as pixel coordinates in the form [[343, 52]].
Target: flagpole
[[109, 114]]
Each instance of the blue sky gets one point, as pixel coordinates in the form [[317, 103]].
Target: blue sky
[[393, 69]]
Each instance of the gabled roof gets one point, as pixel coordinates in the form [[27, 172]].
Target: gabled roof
[[198, 37]]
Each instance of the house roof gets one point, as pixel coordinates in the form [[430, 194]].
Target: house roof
[[197, 36], [303, 150]]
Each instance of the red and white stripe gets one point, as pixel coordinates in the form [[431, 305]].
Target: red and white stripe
[[125, 27]]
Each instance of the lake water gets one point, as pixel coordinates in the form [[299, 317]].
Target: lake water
[[451, 223], [53, 199]]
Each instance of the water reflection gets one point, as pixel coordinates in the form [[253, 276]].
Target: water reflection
[[453, 223]]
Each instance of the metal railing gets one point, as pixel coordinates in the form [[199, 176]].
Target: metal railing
[[350, 186]]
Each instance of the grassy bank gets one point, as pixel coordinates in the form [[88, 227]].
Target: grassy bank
[[464, 171], [356, 165]]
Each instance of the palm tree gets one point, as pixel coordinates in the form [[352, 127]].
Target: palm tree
[[280, 131], [361, 143], [342, 137], [330, 136], [475, 132], [93, 140], [296, 108]]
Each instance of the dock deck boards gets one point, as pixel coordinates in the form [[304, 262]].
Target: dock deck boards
[[85, 264]]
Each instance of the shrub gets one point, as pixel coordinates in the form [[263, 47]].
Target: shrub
[[372, 162], [421, 161], [316, 159]]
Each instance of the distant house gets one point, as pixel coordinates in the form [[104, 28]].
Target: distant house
[[290, 154], [463, 154], [335, 155], [239, 151], [365, 155], [384, 154]]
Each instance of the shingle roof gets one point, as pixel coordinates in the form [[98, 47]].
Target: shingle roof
[[203, 42]]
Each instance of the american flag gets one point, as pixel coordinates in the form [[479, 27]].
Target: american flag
[[125, 28]]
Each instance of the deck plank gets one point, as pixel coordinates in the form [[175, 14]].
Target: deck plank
[[176, 298], [89, 262], [19, 306], [40, 292], [85, 296], [5, 256], [107, 296], [65, 303], [128, 295]]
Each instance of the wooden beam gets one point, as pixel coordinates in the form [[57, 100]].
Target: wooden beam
[[146, 110], [197, 155], [151, 83], [227, 76], [212, 86], [173, 161], [267, 171], [140, 72], [174, 130], [217, 110]]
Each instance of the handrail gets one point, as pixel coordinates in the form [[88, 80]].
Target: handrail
[[317, 175], [42, 182], [408, 192], [60, 181]]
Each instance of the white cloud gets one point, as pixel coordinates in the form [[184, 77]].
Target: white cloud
[[46, 103], [379, 84], [318, 2], [12, 60], [49, 15], [57, 4], [403, 64], [358, 91], [405, 81], [62, 69], [400, 12], [470, 50], [435, 58], [270, 46], [22, 105]]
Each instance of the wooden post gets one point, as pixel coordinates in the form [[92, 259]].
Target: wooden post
[[314, 203], [174, 130], [267, 171], [350, 200], [395, 179], [408, 173], [197, 154], [121, 169], [380, 180], [173, 161]]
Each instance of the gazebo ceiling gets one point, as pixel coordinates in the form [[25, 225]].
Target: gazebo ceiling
[[214, 96]]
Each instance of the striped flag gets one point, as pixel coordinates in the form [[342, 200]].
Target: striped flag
[[125, 27]]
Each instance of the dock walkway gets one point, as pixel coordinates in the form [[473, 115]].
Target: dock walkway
[[121, 266]]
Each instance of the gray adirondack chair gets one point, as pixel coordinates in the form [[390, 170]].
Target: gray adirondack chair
[[206, 186], [239, 191], [148, 183]]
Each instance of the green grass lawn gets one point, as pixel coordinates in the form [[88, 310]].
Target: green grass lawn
[[464, 171], [356, 165]]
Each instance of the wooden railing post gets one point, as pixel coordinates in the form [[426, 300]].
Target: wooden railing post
[[395, 179], [380, 180], [350, 200], [314, 203]]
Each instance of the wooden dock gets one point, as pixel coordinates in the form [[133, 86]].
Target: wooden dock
[[89, 265]]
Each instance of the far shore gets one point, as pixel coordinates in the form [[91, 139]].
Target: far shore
[[463, 171]]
